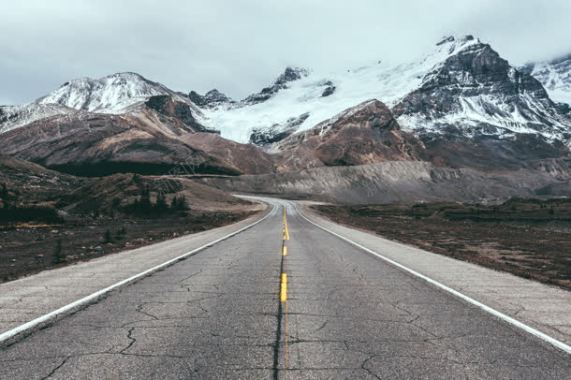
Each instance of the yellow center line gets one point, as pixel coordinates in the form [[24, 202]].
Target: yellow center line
[[283, 288], [286, 230]]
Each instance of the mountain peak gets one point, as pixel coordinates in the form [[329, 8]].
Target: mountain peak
[[451, 45], [212, 98], [109, 94], [113, 78], [457, 39], [291, 74]]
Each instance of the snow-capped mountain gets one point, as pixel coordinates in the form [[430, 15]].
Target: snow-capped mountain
[[12, 117], [290, 74], [555, 75], [121, 123], [461, 105], [111, 94], [475, 92], [212, 98], [114, 94], [475, 89]]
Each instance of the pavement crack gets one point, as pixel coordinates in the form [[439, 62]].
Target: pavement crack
[[140, 310], [413, 320], [53, 371], [130, 337], [191, 276], [322, 326], [369, 371]]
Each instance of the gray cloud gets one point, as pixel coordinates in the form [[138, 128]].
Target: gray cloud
[[240, 45]]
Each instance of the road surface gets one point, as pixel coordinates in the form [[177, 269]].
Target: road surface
[[242, 309]]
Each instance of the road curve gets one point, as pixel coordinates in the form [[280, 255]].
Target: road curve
[[226, 313]]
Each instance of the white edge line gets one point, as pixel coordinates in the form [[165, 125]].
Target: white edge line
[[554, 342], [11, 336]]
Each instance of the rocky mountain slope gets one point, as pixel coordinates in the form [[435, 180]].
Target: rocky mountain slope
[[403, 181], [365, 134], [12, 117], [121, 123], [555, 75], [113, 94], [476, 92], [462, 86], [25, 181], [152, 139], [25, 184]]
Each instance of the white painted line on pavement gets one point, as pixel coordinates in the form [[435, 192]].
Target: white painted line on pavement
[[533, 331], [12, 335]]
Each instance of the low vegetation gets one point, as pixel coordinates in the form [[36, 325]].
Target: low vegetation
[[527, 237], [42, 227], [144, 205]]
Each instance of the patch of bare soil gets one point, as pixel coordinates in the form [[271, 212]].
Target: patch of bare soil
[[27, 248], [529, 238]]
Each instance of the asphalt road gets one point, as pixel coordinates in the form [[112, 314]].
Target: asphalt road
[[225, 313]]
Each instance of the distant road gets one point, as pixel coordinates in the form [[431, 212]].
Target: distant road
[[247, 308]]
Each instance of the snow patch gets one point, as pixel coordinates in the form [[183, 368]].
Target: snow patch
[[382, 81]]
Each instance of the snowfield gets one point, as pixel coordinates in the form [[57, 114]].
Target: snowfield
[[12, 117], [112, 94], [380, 81], [556, 77]]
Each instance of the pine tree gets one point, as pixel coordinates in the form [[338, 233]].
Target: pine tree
[[145, 201], [3, 192], [58, 256], [174, 203], [108, 237], [182, 204], [161, 204]]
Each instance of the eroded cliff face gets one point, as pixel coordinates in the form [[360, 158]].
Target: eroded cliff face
[[364, 134]]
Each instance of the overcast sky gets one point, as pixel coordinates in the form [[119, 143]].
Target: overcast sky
[[238, 46]]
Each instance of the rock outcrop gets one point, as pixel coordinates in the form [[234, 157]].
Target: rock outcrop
[[364, 134]]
